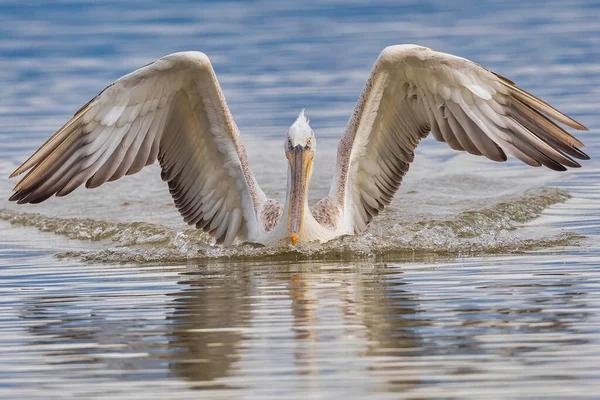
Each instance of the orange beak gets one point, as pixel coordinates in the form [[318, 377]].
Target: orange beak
[[300, 162]]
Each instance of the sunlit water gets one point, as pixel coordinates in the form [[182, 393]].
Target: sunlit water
[[481, 280]]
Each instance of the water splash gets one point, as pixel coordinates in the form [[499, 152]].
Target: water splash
[[479, 231]]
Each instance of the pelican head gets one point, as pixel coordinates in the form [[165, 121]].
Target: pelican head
[[300, 145]]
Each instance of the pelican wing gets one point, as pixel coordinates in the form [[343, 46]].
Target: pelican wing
[[173, 110], [414, 90]]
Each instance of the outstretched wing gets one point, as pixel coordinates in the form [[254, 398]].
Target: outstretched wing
[[173, 110], [413, 90]]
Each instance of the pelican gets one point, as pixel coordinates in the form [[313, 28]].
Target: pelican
[[174, 110]]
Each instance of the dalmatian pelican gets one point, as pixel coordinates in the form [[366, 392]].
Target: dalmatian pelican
[[174, 110]]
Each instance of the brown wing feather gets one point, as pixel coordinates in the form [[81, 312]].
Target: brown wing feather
[[413, 90]]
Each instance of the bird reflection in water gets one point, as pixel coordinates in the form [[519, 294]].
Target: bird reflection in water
[[295, 320], [231, 325]]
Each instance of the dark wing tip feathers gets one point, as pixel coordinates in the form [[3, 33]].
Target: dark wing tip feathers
[[502, 78], [570, 147], [546, 108]]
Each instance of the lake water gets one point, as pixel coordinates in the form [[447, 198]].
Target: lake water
[[481, 280]]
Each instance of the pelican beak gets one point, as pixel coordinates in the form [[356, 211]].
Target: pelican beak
[[300, 161]]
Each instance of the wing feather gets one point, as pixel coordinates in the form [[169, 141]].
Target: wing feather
[[172, 110], [413, 90]]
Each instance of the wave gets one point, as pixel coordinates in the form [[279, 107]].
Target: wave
[[496, 229]]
